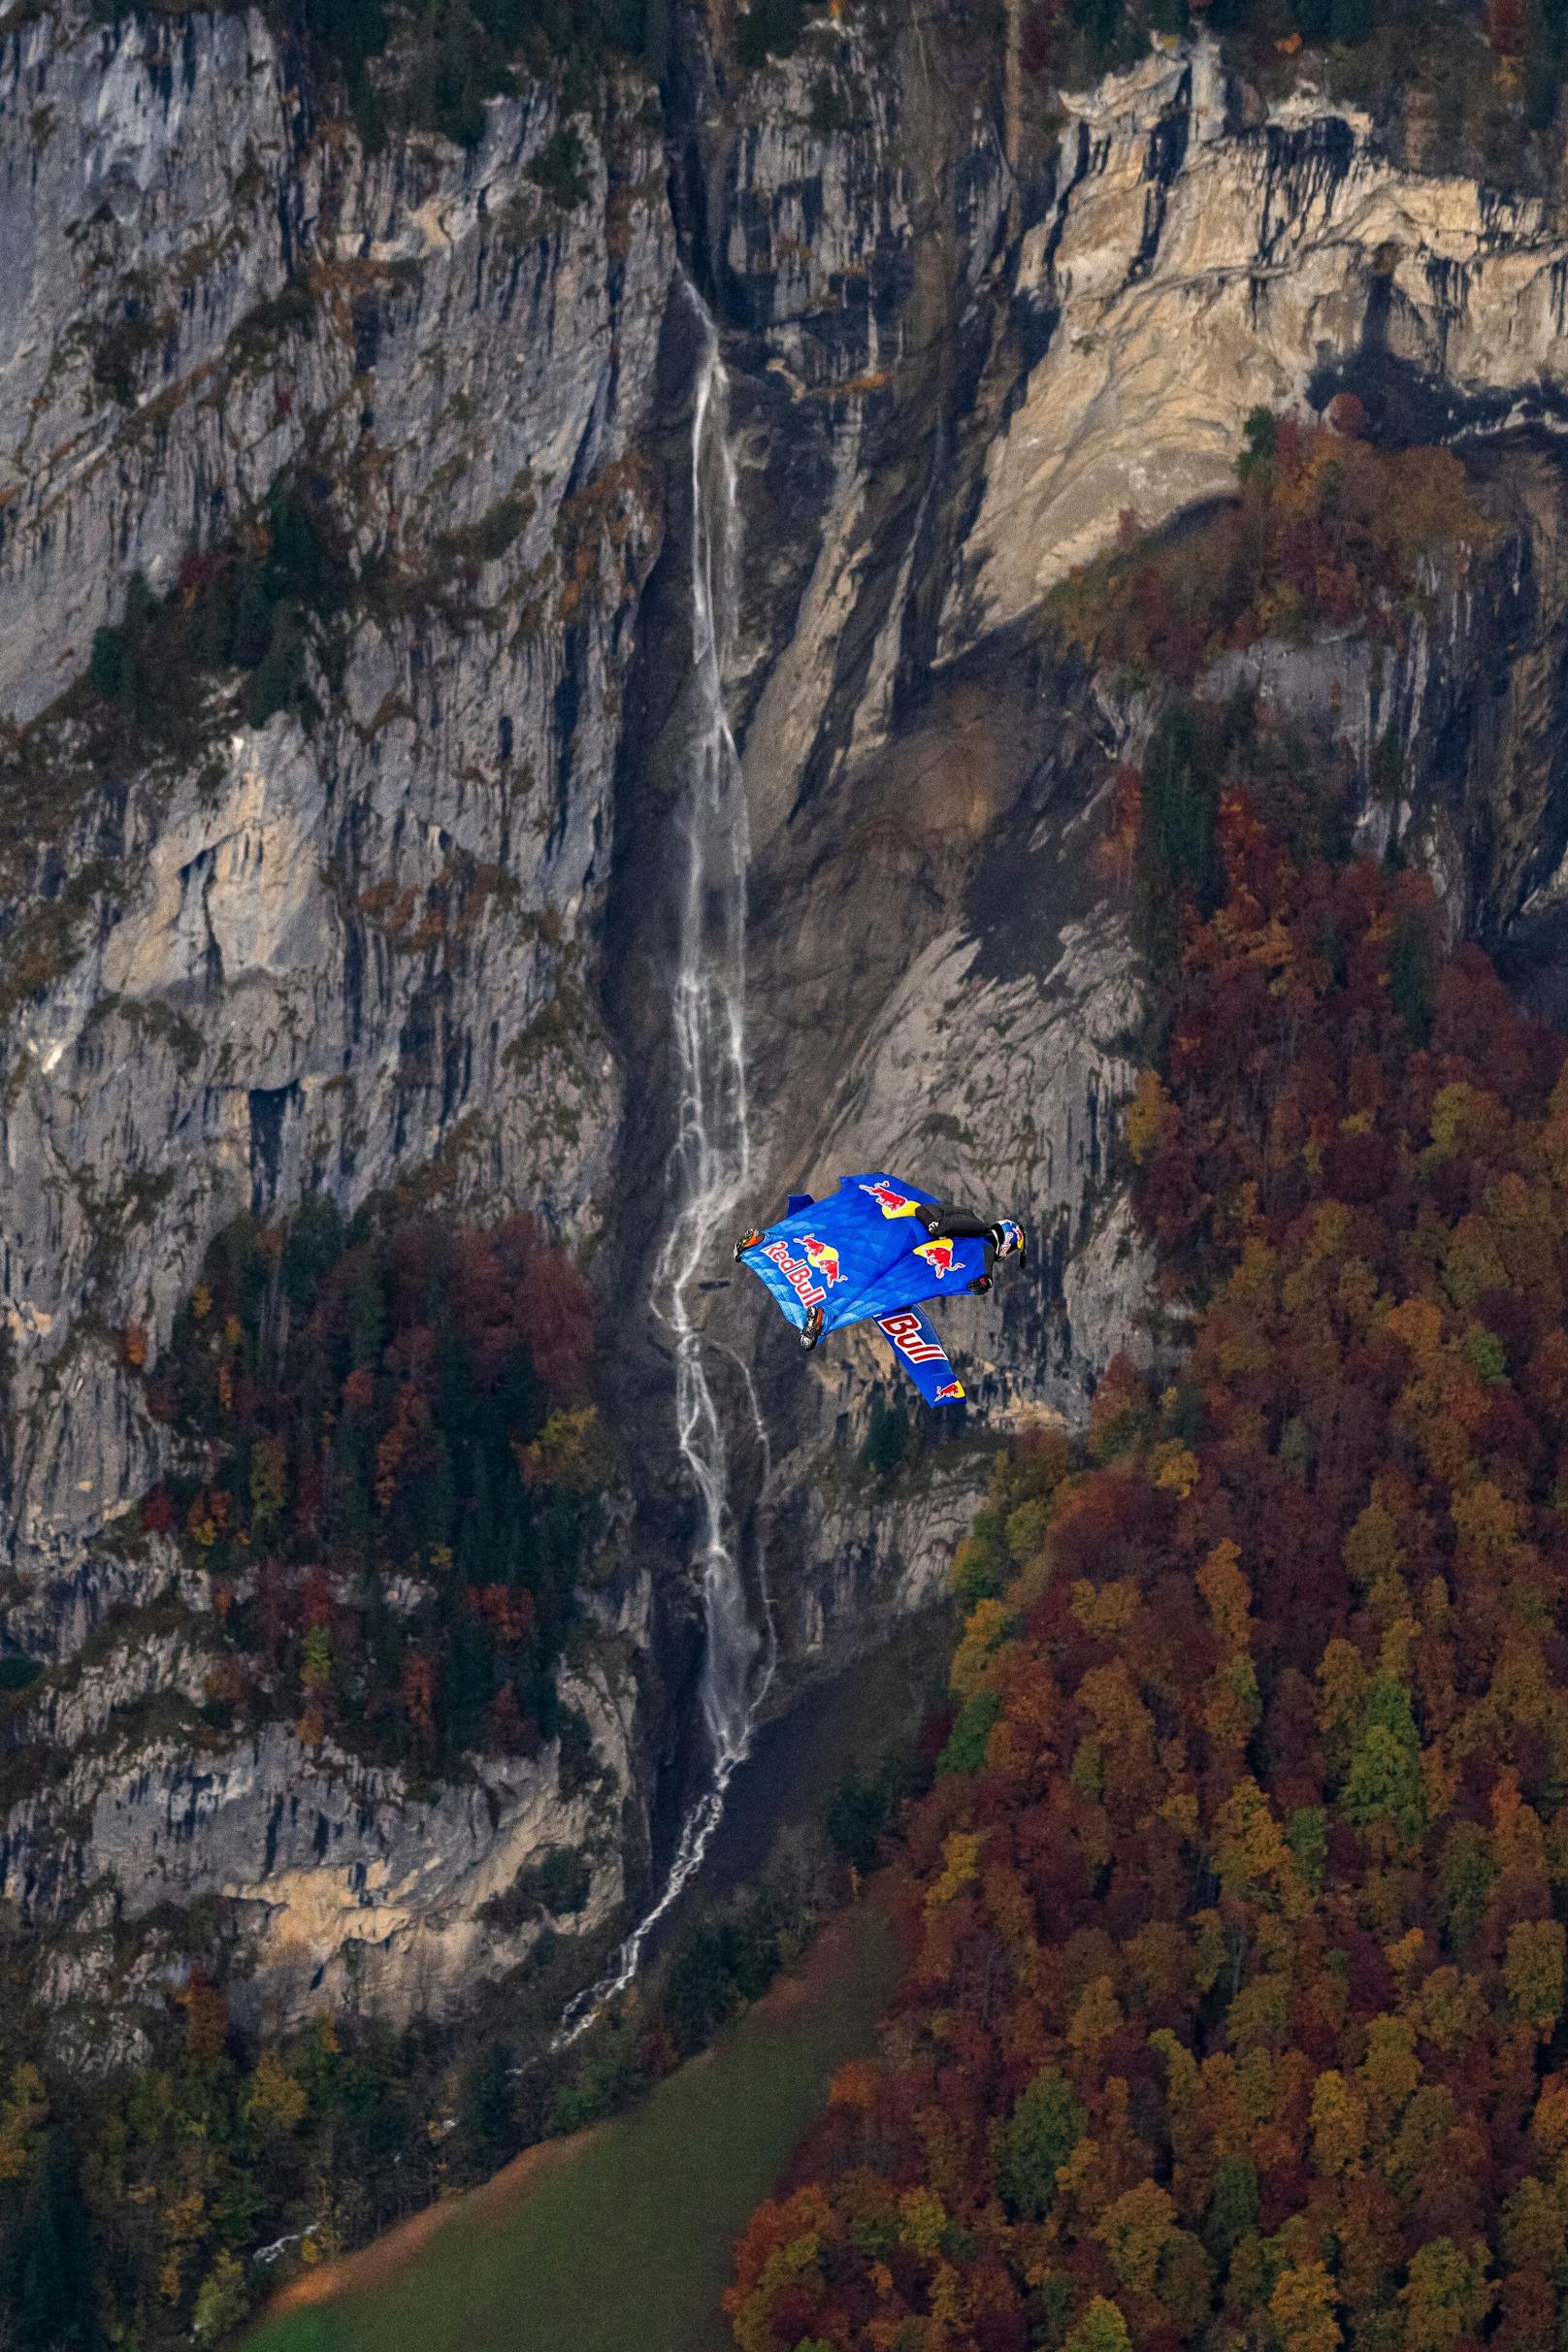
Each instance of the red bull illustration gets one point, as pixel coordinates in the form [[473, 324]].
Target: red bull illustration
[[939, 1255], [949, 1389], [890, 1200], [824, 1257]]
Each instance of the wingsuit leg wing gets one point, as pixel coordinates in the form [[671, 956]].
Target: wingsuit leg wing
[[921, 1354]]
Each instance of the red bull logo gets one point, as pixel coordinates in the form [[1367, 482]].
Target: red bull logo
[[908, 1337], [824, 1258], [939, 1255], [799, 1276], [891, 1201], [949, 1387]]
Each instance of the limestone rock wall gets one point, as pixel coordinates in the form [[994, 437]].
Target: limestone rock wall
[[420, 939], [1195, 264]]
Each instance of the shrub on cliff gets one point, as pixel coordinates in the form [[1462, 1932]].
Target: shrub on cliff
[[256, 604], [1327, 532], [392, 1508]]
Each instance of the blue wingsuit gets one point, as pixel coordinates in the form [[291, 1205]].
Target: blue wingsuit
[[873, 1252]]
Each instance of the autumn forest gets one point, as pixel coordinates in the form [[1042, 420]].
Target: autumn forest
[[1233, 2009]]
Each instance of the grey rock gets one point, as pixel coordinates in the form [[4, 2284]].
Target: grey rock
[[428, 937]]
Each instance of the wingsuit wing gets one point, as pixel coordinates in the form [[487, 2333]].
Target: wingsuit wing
[[840, 1253], [861, 1255], [923, 1269], [916, 1347]]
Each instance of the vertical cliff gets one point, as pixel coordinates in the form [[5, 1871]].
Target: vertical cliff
[[408, 931], [356, 947]]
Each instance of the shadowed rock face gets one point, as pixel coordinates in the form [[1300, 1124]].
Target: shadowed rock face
[[431, 933], [1194, 269]]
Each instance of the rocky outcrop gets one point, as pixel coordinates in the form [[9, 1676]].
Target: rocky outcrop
[[315, 960], [341, 1881], [1196, 264], [425, 939], [346, 957]]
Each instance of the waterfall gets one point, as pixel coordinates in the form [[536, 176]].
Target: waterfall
[[710, 1161]]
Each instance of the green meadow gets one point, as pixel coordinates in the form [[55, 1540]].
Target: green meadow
[[624, 2244]]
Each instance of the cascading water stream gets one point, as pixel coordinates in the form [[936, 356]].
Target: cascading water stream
[[710, 1162]]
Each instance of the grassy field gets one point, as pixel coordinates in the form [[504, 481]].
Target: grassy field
[[625, 2245]]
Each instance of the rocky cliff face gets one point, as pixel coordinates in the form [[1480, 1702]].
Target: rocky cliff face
[[352, 958], [423, 940]]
